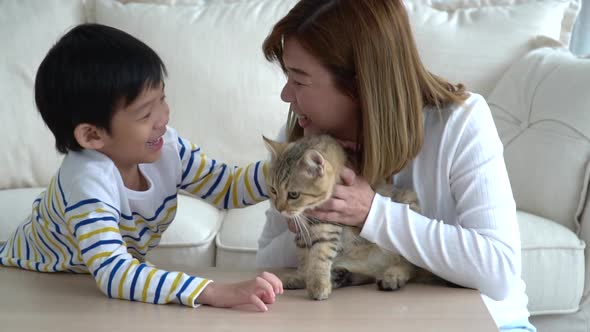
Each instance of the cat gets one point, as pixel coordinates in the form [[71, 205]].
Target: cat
[[301, 176]]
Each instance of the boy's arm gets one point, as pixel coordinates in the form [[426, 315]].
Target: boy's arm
[[94, 226], [224, 186]]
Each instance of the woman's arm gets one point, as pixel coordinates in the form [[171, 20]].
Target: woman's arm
[[276, 245], [480, 248]]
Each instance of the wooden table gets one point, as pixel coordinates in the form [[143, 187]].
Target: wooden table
[[32, 301]]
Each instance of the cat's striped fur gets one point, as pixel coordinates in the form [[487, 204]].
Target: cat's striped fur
[[302, 175]]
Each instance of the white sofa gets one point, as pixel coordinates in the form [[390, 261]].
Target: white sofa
[[224, 96]]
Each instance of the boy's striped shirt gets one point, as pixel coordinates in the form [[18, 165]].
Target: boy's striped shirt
[[88, 222]]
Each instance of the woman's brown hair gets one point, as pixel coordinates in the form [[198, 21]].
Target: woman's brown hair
[[368, 47]]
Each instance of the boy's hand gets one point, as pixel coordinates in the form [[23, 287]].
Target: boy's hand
[[263, 289]]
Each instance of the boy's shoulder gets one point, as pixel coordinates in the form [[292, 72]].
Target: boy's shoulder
[[86, 166]]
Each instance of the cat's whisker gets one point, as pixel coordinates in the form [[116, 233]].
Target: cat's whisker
[[304, 230]]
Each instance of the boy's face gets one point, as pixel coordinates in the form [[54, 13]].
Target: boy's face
[[137, 130]]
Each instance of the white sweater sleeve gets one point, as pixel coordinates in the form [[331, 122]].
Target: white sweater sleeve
[[481, 248], [276, 245]]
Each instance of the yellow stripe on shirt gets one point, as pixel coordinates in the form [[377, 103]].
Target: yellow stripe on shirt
[[98, 256], [200, 169], [146, 286], [174, 286], [224, 191], [197, 290], [124, 277], [98, 231], [235, 187], [247, 183]]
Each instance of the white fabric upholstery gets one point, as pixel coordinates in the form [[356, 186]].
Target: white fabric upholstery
[[456, 43], [189, 241], [540, 107], [27, 30], [217, 73], [237, 240], [567, 23], [541, 111], [552, 255], [15, 205]]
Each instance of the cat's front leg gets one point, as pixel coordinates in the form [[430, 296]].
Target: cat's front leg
[[319, 280], [293, 280], [296, 279], [319, 268]]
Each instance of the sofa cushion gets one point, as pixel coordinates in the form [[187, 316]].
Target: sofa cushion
[[188, 244], [15, 205], [28, 28], [237, 241], [540, 107], [552, 265], [475, 44], [567, 23]]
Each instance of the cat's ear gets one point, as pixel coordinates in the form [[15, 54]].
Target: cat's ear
[[313, 163], [275, 148]]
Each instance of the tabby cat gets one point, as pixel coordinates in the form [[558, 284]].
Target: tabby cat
[[301, 176]]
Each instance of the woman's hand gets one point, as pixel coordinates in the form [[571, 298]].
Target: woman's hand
[[350, 202]]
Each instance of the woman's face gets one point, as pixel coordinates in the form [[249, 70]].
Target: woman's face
[[320, 107]]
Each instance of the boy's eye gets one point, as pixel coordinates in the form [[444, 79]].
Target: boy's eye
[[147, 115], [293, 195], [163, 98]]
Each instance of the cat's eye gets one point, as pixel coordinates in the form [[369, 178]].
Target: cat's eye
[[273, 191], [293, 195]]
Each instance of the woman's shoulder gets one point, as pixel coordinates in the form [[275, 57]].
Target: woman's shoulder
[[473, 111], [469, 120]]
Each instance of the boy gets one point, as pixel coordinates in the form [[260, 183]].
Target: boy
[[101, 93]]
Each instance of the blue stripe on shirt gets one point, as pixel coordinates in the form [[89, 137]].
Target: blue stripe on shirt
[[189, 166], [182, 148], [166, 200], [28, 249], [134, 282], [112, 275], [214, 186], [47, 212], [92, 220], [137, 239], [105, 263], [68, 249], [256, 180], [159, 288], [63, 196], [90, 201], [50, 249], [100, 243], [184, 286]]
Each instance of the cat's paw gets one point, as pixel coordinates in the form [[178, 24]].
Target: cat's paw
[[319, 288], [394, 278], [292, 281], [341, 277]]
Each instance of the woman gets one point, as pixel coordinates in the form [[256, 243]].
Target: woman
[[354, 72]]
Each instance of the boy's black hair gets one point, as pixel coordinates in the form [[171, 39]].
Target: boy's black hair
[[87, 73]]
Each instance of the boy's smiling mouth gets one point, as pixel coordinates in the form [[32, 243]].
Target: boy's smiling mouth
[[155, 144]]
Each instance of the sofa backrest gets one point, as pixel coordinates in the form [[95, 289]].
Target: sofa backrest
[[222, 92]]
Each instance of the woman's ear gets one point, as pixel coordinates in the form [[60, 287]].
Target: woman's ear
[[89, 136]]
